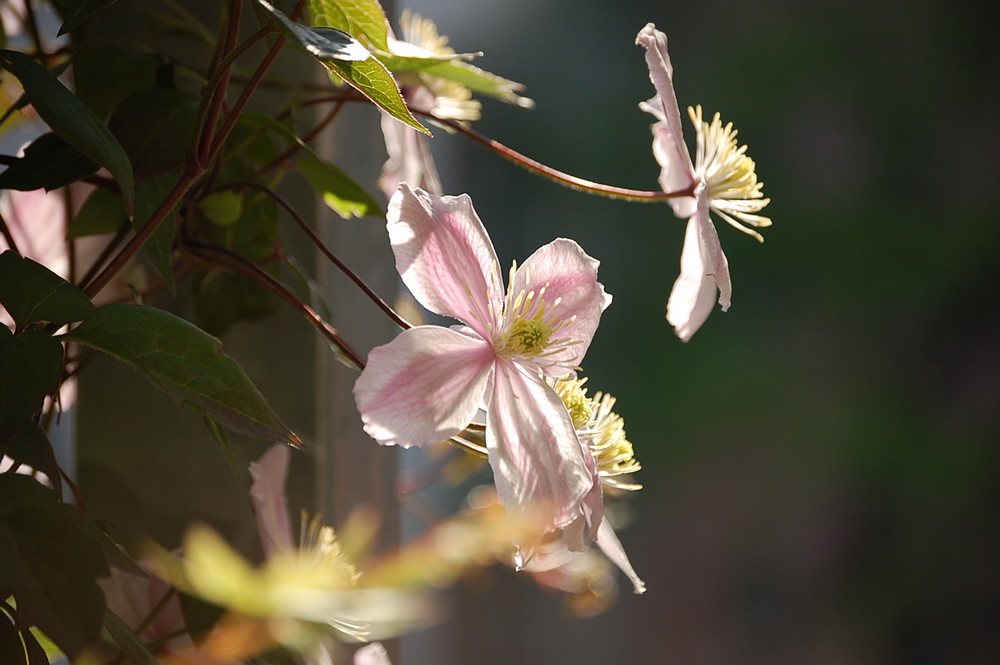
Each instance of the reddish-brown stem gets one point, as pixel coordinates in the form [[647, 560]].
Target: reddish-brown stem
[[218, 91], [558, 176], [318, 242], [288, 154], [237, 263]]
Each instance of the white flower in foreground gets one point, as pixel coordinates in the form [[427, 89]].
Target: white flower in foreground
[[428, 383], [722, 180]]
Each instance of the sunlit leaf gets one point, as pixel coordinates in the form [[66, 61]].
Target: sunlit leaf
[[32, 293], [362, 18], [70, 118], [365, 74], [481, 81], [341, 194], [187, 363]]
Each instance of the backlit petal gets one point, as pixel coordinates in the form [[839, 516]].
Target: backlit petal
[[270, 506], [534, 450], [608, 541], [677, 172], [704, 271], [423, 387], [568, 276], [445, 256]]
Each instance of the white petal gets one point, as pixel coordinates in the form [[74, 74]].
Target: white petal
[[268, 493], [423, 387], [445, 257], [608, 541], [535, 453], [704, 270]]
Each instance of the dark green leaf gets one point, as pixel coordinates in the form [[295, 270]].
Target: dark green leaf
[[103, 75], [149, 193], [11, 649], [155, 127], [80, 11], [70, 118], [126, 639], [55, 565], [30, 365], [29, 445], [102, 212], [48, 163], [222, 298], [186, 362], [341, 194], [362, 18], [33, 294]]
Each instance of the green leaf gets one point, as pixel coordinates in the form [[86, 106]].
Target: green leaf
[[341, 194], [82, 10], [71, 119], [48, 163], [365, 74], [321, 42], [30, 365], [49, 564], [104, 75], [222, 298], [155, 128], [362, 18], [222, 208], [481, 81], [126, 639], [29, 445], [36, 652], [373, 80], [102, 212], [149, 193], [34, 294], [186, 362]]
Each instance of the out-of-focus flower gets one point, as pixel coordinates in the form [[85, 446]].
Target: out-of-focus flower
[[410, 158], [146, 604], [722, 180], [428, 384]]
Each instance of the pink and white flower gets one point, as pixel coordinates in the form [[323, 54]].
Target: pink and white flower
[[722, 180], [428, 384]]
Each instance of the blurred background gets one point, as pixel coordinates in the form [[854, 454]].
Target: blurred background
[[820, 463]]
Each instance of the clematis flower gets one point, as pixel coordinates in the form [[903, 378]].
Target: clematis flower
[[429, 382], [722, 180]]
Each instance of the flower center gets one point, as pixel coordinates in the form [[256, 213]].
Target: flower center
[[734, 192], [530, 324]]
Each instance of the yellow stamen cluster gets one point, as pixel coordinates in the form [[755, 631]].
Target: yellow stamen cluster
[[318, 547], [602, 431], [734, 192], [530, 323], [452, 100]]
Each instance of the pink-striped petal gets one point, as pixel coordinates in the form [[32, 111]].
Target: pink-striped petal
[[271, 507], [569, 277], [677, 172], [608, 541], [535, 453], [423, 387], [704, 272], [445, 257]]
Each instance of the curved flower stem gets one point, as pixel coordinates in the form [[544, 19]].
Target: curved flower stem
[[216, 89], [237, 263], [565, 179], [318, 242]]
